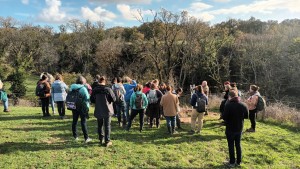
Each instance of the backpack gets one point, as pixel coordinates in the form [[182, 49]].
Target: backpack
[[74, 100], [152, 97], [118, 94], [139, 101], [40, 90], [201, 104], [261, 104]]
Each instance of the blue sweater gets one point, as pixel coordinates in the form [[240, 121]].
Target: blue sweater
[[129, 89]]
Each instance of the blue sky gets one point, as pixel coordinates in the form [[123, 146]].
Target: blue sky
[[124, 12]]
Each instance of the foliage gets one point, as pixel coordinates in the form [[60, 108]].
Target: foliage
[[17, 80]]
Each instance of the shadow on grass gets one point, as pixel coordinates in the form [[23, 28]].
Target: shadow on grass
[[12, 118], [283, 126]]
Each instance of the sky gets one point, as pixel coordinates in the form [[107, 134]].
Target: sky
[[125, 12]]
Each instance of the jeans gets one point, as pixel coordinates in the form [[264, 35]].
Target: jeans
[[127, 108], [5, 104], [107, 128], [121, 112], [76, 115], [194, 117], [45, 106], [252, 115], [52, 103], [61, 108], [171, 123], [234, 139], [132, 116]]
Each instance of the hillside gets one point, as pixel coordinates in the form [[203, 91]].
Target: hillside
[[29, 141]]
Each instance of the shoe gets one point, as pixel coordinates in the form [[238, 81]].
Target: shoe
[[197, 132], [76, 139], [192, 132], [229, 164], [108, 144], [6, 110], [238, 164], [88, 140], [174, 132], [205, 114], [250, 130]]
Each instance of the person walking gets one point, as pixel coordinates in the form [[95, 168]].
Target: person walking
[[129, 86], [59, 94], [83, 112], [170, 103], [199, 102], [43, 91], [103, 97], [154, 96], [138, 104], [120, 103], [235, 112], [3, 98], [206, 92], [251, 103], [178, 93]]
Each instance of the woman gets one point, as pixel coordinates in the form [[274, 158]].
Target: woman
[[170, 103], [154, 97], [44, 94], [251, 103], [138, 104], [178, 93], [59, 93], [3, 98], [226, 95], [83, 113]]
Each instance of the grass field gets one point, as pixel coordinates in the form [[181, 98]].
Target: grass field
[[29, 141]]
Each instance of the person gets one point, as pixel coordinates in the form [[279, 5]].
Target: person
[[198, 95], [50, 81], [147, 87], [59, 94], [170, 103], [120, 103], [206, 92], [162, 88], [154, 97], [95, 83], [251, 103], [103, 97], [178, 93], [156, 83], [227, 87], [235, 112], [129, 86], [138, 104], [45, 87], [3, 98], [83, 113]]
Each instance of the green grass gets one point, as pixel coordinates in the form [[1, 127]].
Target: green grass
[[29, 141]]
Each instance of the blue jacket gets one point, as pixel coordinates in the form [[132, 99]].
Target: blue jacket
[[133, 97], [194, 98], [129, 89], [59, 91], [83, 91]]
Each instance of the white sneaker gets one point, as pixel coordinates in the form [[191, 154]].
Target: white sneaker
[[88, 140], [76, 139]]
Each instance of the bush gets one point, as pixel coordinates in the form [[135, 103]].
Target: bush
[[17, 80]]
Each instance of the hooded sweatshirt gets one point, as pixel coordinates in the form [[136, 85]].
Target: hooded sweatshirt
[[83, 91]]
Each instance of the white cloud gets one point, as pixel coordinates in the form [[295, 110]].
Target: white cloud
[[98, 14], [123, 1], [222, 1], [132, 13], [199, 6], [52, 13], [26, 2]]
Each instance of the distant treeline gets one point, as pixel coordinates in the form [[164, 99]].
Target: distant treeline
[[174, 48]]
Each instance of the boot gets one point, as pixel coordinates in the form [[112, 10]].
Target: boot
[[169, 130]]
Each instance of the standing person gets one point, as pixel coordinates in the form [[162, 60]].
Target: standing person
[[251, 103], [154, 97], [225, 98], [170, 103], [138, 104], [205, 91], [178, 93], [59, 94], [235, 112], [129, 86], [162, 88], [120, 103], [43, 91], [147, 87], [95, 83], [83, 113], [50, 81], [199, 102], [3, 98], [103, 97]]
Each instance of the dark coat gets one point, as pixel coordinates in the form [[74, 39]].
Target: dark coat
[[234, 114], [103, 97]]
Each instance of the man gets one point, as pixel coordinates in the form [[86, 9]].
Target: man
[[234, 114], [129, 86], [103, 97]]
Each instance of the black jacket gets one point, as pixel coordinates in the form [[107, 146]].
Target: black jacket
[[234, 114], [103, 97]]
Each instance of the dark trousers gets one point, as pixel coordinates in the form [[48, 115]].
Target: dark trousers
[[234, 139], [45, 106], [82, 116], [107, 128], [252, 115], [121, 114], [61, 108], [154, 113], [132, 116], [178, 121]]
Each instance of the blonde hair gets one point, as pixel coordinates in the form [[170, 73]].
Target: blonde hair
[[254, 88]]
